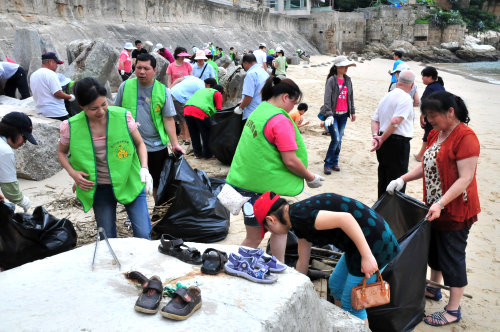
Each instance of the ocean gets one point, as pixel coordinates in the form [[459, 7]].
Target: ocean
[[481, 71]]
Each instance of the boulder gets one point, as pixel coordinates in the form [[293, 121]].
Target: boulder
[[75, 48], [161, 67], [28, 45], [490, 38], [405, 47], [222, 72], [293, 60], [471, 56], [224, 61], [114, 80], [148, 46], [374, 49], [232, 83], [452, 46], [353, 56], [35, 64], [35, 162]]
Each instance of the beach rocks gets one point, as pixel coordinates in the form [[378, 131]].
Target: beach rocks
[[471, 50], [75, 48], [161, 67], [405, 47], [28, 45], [451, 46], [232, 83], [490, 38], [148, 46], [293, 60], [224, 61]]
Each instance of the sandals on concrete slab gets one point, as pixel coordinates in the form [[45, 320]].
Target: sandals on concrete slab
[[249, 268], [213, 261], [270, 261], [171, 246], [149, 300], [183, 304]]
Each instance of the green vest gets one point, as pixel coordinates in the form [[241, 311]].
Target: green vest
[[123, 162], [158, 98], [204, 100], [216, 68], [257, 165]]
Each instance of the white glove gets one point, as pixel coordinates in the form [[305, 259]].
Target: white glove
[[122, 72], [329, 121], [147, 179], [72, 98], [316, 182], [238, 110], [25, 204], [397, 184]]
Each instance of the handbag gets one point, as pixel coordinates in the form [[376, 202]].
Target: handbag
[[372, 295]]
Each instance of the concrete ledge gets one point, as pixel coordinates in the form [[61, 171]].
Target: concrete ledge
[[62, 293]]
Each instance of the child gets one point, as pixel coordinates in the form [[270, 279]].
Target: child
[[298, 115]]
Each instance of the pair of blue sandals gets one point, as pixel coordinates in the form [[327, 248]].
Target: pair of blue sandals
[[254, 265], [438, 318]]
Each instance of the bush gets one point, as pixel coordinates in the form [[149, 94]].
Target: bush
[[427, 2], [423, 20], [479, 20], [442, 18]]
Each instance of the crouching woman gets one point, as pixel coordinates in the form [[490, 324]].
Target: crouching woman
[[107, 159], [364, 236]]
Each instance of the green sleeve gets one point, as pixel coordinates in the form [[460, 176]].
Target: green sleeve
[[11, 192]]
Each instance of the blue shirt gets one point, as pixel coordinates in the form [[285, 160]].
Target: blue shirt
[[396, 63], [183, 90], [209, 71], [252, 85], [433, 87]]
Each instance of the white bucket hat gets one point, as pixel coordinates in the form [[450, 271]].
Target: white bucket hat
[[129, 46], [342, 61], [262, 44], [200, 55], [400, 68], [158, 46]]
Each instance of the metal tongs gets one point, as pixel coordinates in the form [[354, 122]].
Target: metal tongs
[[100, 230]]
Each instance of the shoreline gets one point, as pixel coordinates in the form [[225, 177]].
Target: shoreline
[[442, 66]]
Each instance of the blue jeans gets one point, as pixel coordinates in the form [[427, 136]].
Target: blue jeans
[[105, 212], [336, 132], [341, 283]]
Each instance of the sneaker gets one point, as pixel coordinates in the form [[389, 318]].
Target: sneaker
[[327, 170], [336, 168]]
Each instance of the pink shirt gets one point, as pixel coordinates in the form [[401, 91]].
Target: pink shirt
[[99, 148], [179, 71], [280, 131], [342, 100], [126, 58]]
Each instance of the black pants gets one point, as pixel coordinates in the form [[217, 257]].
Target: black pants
[[60, 118], [125, 76], [393, 157], [198, 127], [156, 159], [18, 81]]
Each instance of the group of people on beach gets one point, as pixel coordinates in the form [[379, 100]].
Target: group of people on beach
[[112, 158]]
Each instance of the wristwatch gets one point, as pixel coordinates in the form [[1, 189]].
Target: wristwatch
[[440, 204], [373, 135]]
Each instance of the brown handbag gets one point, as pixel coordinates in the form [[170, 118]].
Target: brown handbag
[[371, 295]]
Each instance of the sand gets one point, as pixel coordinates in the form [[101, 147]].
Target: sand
[[358, 175]]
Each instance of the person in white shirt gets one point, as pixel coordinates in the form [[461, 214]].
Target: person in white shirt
[[392, 130], [261, 56], [47, 92], [16, 78]]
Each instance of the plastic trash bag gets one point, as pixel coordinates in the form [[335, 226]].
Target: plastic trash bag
[[25, 238], [406, 273], [195, 213], [225, 135]]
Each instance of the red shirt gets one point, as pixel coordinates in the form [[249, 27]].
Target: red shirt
[[342, 99], [198, 112], [461, 144]]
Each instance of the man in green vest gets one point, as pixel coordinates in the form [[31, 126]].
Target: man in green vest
[[151, 104], [212, 63]]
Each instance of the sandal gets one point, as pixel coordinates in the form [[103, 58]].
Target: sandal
[[249, 268], [175, 247], [270, 261], [183, 304], [137, 277], [438, 318], [213, 261], [149, 300], [435, 291]]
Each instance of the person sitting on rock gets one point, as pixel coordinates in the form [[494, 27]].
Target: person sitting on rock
[[102, 150], [16, 79], [47, 92], [15, 130], [151, 105]]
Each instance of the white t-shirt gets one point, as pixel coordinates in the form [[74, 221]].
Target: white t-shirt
[[260, 56], [44, 83], [396, 103], [7, 162], [7, 70]]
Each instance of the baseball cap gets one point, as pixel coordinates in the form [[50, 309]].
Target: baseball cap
[[262, 44], [400, 68], [51, 56], [22, 122], [261, 207]]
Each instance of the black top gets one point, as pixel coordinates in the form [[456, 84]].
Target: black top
[[433, 87], [380, 239], [136, 52]]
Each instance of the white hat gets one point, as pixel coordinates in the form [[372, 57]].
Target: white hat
[[279, 49], [400, 68], [128, 46], [63, 80], [158, 46], [262, 44], [200, 55], [342, 61]]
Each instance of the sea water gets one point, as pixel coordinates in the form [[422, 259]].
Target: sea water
[[486, 71]]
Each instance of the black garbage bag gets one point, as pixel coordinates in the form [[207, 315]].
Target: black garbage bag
[[225, 134], [406, 273], [25, 238], [291, 251], [195, 213]]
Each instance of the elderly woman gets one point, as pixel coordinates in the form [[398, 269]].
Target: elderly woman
[[450, 190]]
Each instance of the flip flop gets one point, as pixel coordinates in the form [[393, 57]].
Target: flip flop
[[171, 246], [213, 261], [183, 304], [149, 300], [248, 268]]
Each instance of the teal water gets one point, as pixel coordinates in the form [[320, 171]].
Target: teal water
[[483, 71]]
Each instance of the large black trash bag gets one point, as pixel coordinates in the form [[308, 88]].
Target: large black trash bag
[[224, 135], [195, 213], [406, 273], [291, 251], [25, 238]]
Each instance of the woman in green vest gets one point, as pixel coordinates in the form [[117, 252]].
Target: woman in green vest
[[107, 159], [271, 156]]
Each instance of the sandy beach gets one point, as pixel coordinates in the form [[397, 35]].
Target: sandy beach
[[358, 175]]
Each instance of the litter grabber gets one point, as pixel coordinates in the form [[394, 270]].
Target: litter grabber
[[100, 230]]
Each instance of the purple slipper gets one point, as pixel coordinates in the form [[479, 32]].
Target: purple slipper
[[270, 261], [249, 268]]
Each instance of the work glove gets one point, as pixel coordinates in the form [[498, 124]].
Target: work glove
[[147, 179], [122, 72], [316, 182], [397, 184], [329, 121], [238, 110], [25, 204], [72, 98]]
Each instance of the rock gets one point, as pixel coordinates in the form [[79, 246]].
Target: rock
[[114, 80], [490, 38], [374, 49], [293, 60], [224, 61], [28, 45], [148, 46], [35, 64], [75, 48], [405, 47], [452, 46], [35, 162], [472, 56], [222, 72], [96, 60], [161, 67], [232, 83], [353, 56]]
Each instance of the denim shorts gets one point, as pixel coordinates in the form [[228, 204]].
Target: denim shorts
[[248, 216]]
